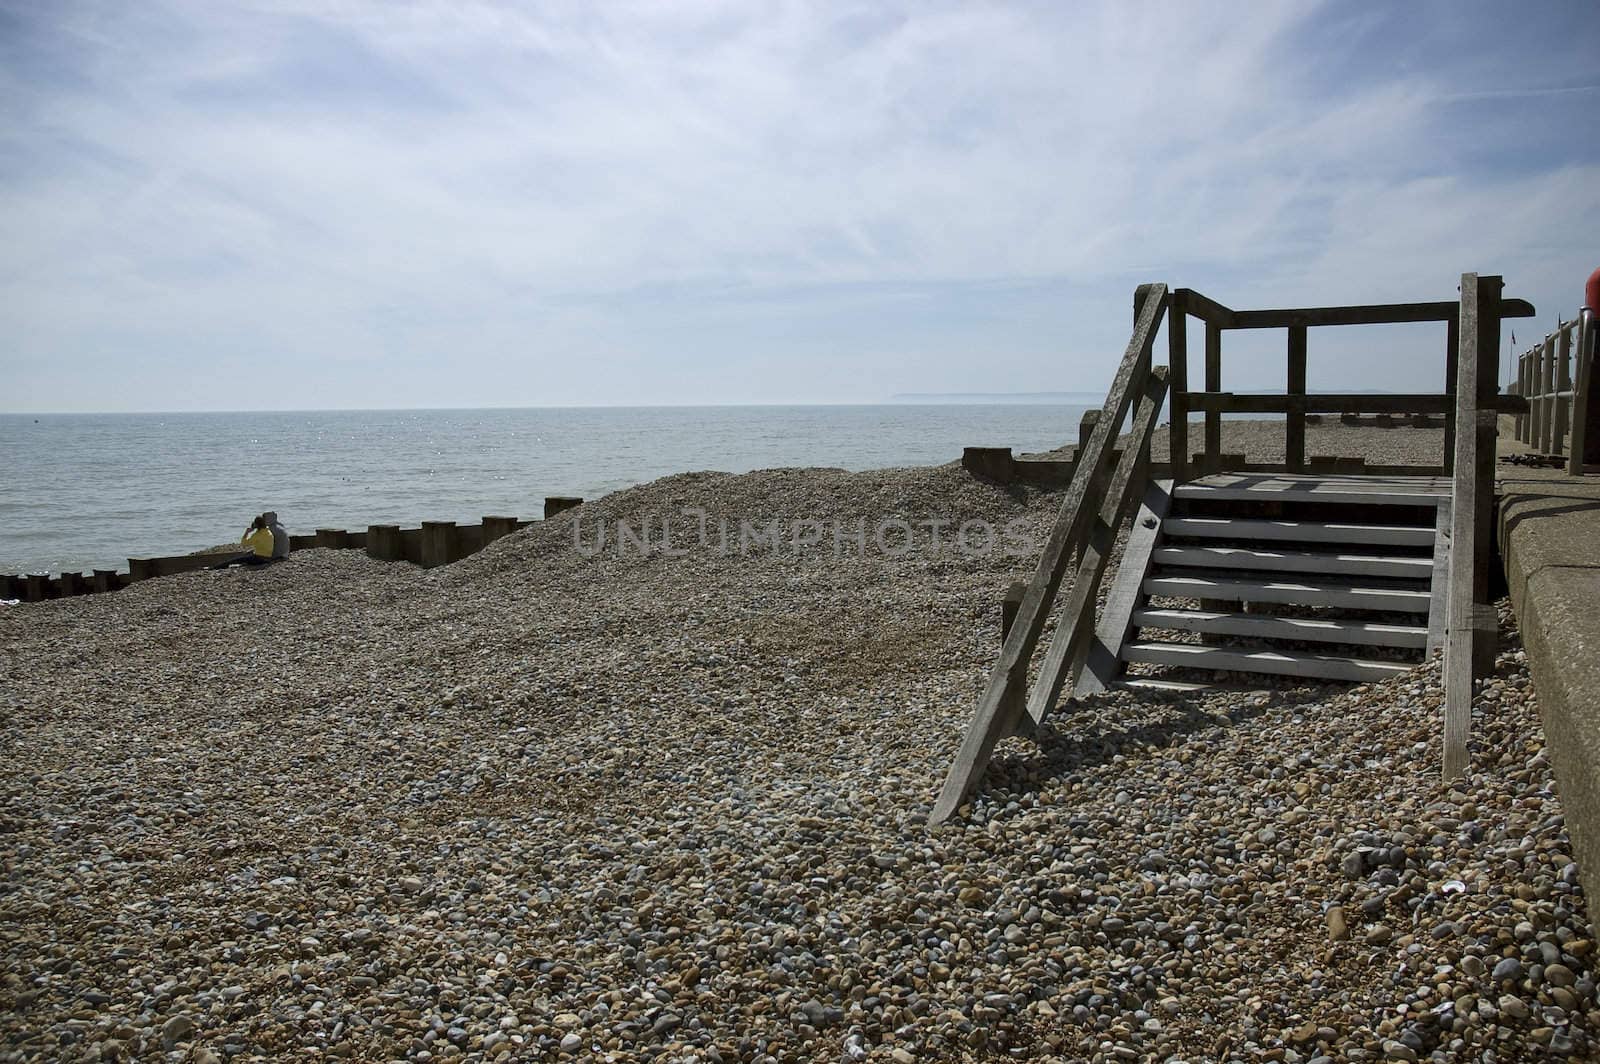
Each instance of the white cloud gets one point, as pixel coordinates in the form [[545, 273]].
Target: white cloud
[[537, 203]]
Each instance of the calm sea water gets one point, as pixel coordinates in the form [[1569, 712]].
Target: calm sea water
[[84, 491]]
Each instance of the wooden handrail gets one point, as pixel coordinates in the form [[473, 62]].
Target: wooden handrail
[[1578, 447], [1209, 310], [994, 717], [1339, 403], [1375, 314], [1294, 405], [1205, 308]]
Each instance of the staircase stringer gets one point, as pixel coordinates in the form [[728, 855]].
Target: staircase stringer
[[1104, 662]]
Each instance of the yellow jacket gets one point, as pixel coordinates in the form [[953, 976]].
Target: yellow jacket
[[258, 540]]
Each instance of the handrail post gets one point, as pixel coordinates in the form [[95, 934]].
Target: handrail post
[[1522, 390], [1583, 440], [1213, 384], [1536, 406], [1452, 355], [1295, 427], [1563, 378], [1531, 432], [1473, 626], [1535, 392], [1548, 402], [1178, 378]]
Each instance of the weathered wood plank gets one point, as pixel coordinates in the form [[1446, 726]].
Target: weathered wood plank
[[1439, 599], [1547, 399], [1577, 454], [1375, 314], [1535, 400], [1451, 354], [1213, 384], [1265, 626], [1206, 308], [1376, 494], [1298, 531], [1276, 662], [1071, 524], [1340, 403], [1259, 559], [1522, 390], [1016, 698], [1563, 379], [1126, 591], [1063, 662], [1479, 343], [1295, 424], [1178, 362], [1341, 594]]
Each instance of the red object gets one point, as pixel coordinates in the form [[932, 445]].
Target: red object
[[1591, 292]]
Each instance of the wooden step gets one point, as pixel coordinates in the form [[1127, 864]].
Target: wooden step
[[1276, 662], [1153, 683], [1365, 596], [1295, 561], [1259, 626], [1297, 531], [1150, 683], [1269, 487]]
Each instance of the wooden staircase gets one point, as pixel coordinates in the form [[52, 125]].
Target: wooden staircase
[[1305, 568], [1313, 577]]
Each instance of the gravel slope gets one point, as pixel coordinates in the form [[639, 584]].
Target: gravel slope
[[538, 805]]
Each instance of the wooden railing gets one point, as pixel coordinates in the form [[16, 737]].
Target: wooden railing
[[1554, 377], [1295, 404], [1097, 503]]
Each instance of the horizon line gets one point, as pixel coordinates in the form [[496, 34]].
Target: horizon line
[[909, 401]]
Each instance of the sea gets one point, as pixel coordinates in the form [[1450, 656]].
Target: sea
[[87, 491]]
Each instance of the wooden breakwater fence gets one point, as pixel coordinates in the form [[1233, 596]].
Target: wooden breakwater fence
[[1332, 547], [1556, 377], [431, 544]]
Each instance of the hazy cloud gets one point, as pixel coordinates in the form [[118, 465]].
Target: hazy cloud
[[460, 203]]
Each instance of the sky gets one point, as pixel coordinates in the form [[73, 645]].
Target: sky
[[294, 205]]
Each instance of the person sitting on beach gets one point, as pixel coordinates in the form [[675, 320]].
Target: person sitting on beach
[[258, 537], [280, 538]]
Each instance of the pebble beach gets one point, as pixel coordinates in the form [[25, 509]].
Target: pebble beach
[[553, 803]]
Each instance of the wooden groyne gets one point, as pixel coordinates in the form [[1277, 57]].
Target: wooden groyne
[[431, 544]]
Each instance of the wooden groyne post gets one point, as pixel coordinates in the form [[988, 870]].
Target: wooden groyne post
[[383, 543], [497, 528], [438, 543]]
